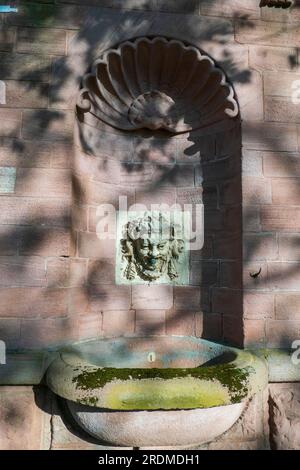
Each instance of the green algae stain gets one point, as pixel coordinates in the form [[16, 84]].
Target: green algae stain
[[90, 401], [171, 394], [168, 388]]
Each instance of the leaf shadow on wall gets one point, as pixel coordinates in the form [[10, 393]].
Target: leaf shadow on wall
[[46, 127]]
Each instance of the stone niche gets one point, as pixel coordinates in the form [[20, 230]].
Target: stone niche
[[158, 134]]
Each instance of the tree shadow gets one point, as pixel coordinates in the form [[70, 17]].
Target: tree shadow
[[46, 127]]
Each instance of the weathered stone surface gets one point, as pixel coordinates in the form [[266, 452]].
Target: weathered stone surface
[[47, 125], [23, 94], [289, 249], [284, 404], [273, 58], [128, 428], [10, 122], [72, 438], [8, 245], [79, 217], [23, 423], [24, 368], [267, 33], [101, 271], [180, 322], [284, 275], [250, 93], [270, 136], [281, 108], [34, 211], [48, 15], [152, 297], [30, 154], [204, 273], [41, 41], [248, 8], [187, 297], [281, 164], [276, 84], [92, 193], [248, 432], [255, 333], [285, 219], [109, 297], [141, 110], [231, 274], [7, 38], [258, 305], [282, 15], [256, 190], [226, 300], [25, 67], [286, 191], [33, 301], [67, 375], [226, 246], [90, 246], [208, 326], [154, 165], [183, 6], [90, 326], [10, 330], [282, 333], [118, 323], [150, 322], [40, 182], [157, 198], [20, 271], [281, 366], [105, 170], [287, 306], [260, 246], [37, 333], [40, 241], [232, 325]]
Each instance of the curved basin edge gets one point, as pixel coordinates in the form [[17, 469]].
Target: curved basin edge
[[127, 389]]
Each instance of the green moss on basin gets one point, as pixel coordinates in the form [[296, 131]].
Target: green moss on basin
[[227, 376], [164, 388]]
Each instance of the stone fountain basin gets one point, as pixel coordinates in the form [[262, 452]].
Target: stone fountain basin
[[156, 391]]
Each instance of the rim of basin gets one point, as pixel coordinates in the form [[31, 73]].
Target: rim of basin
[[230, 377]]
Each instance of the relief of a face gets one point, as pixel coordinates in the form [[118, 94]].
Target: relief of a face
[[152, 249], [152, 254]]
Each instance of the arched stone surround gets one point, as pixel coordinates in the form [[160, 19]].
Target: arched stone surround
[[151, 166], [258, 50]]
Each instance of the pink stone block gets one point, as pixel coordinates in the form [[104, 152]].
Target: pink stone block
[[150, 322], [22, 421], [258, 305], [152, 297], [109, 297], [118, 322], [42, 333], [180, 322], [282, 333], [20, 271], [287, 306]]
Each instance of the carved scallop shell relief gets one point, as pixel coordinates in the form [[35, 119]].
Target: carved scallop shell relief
[[156, 83]]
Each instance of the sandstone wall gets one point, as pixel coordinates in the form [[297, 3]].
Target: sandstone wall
[[42, 285], [40, 282], [269, 421]]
